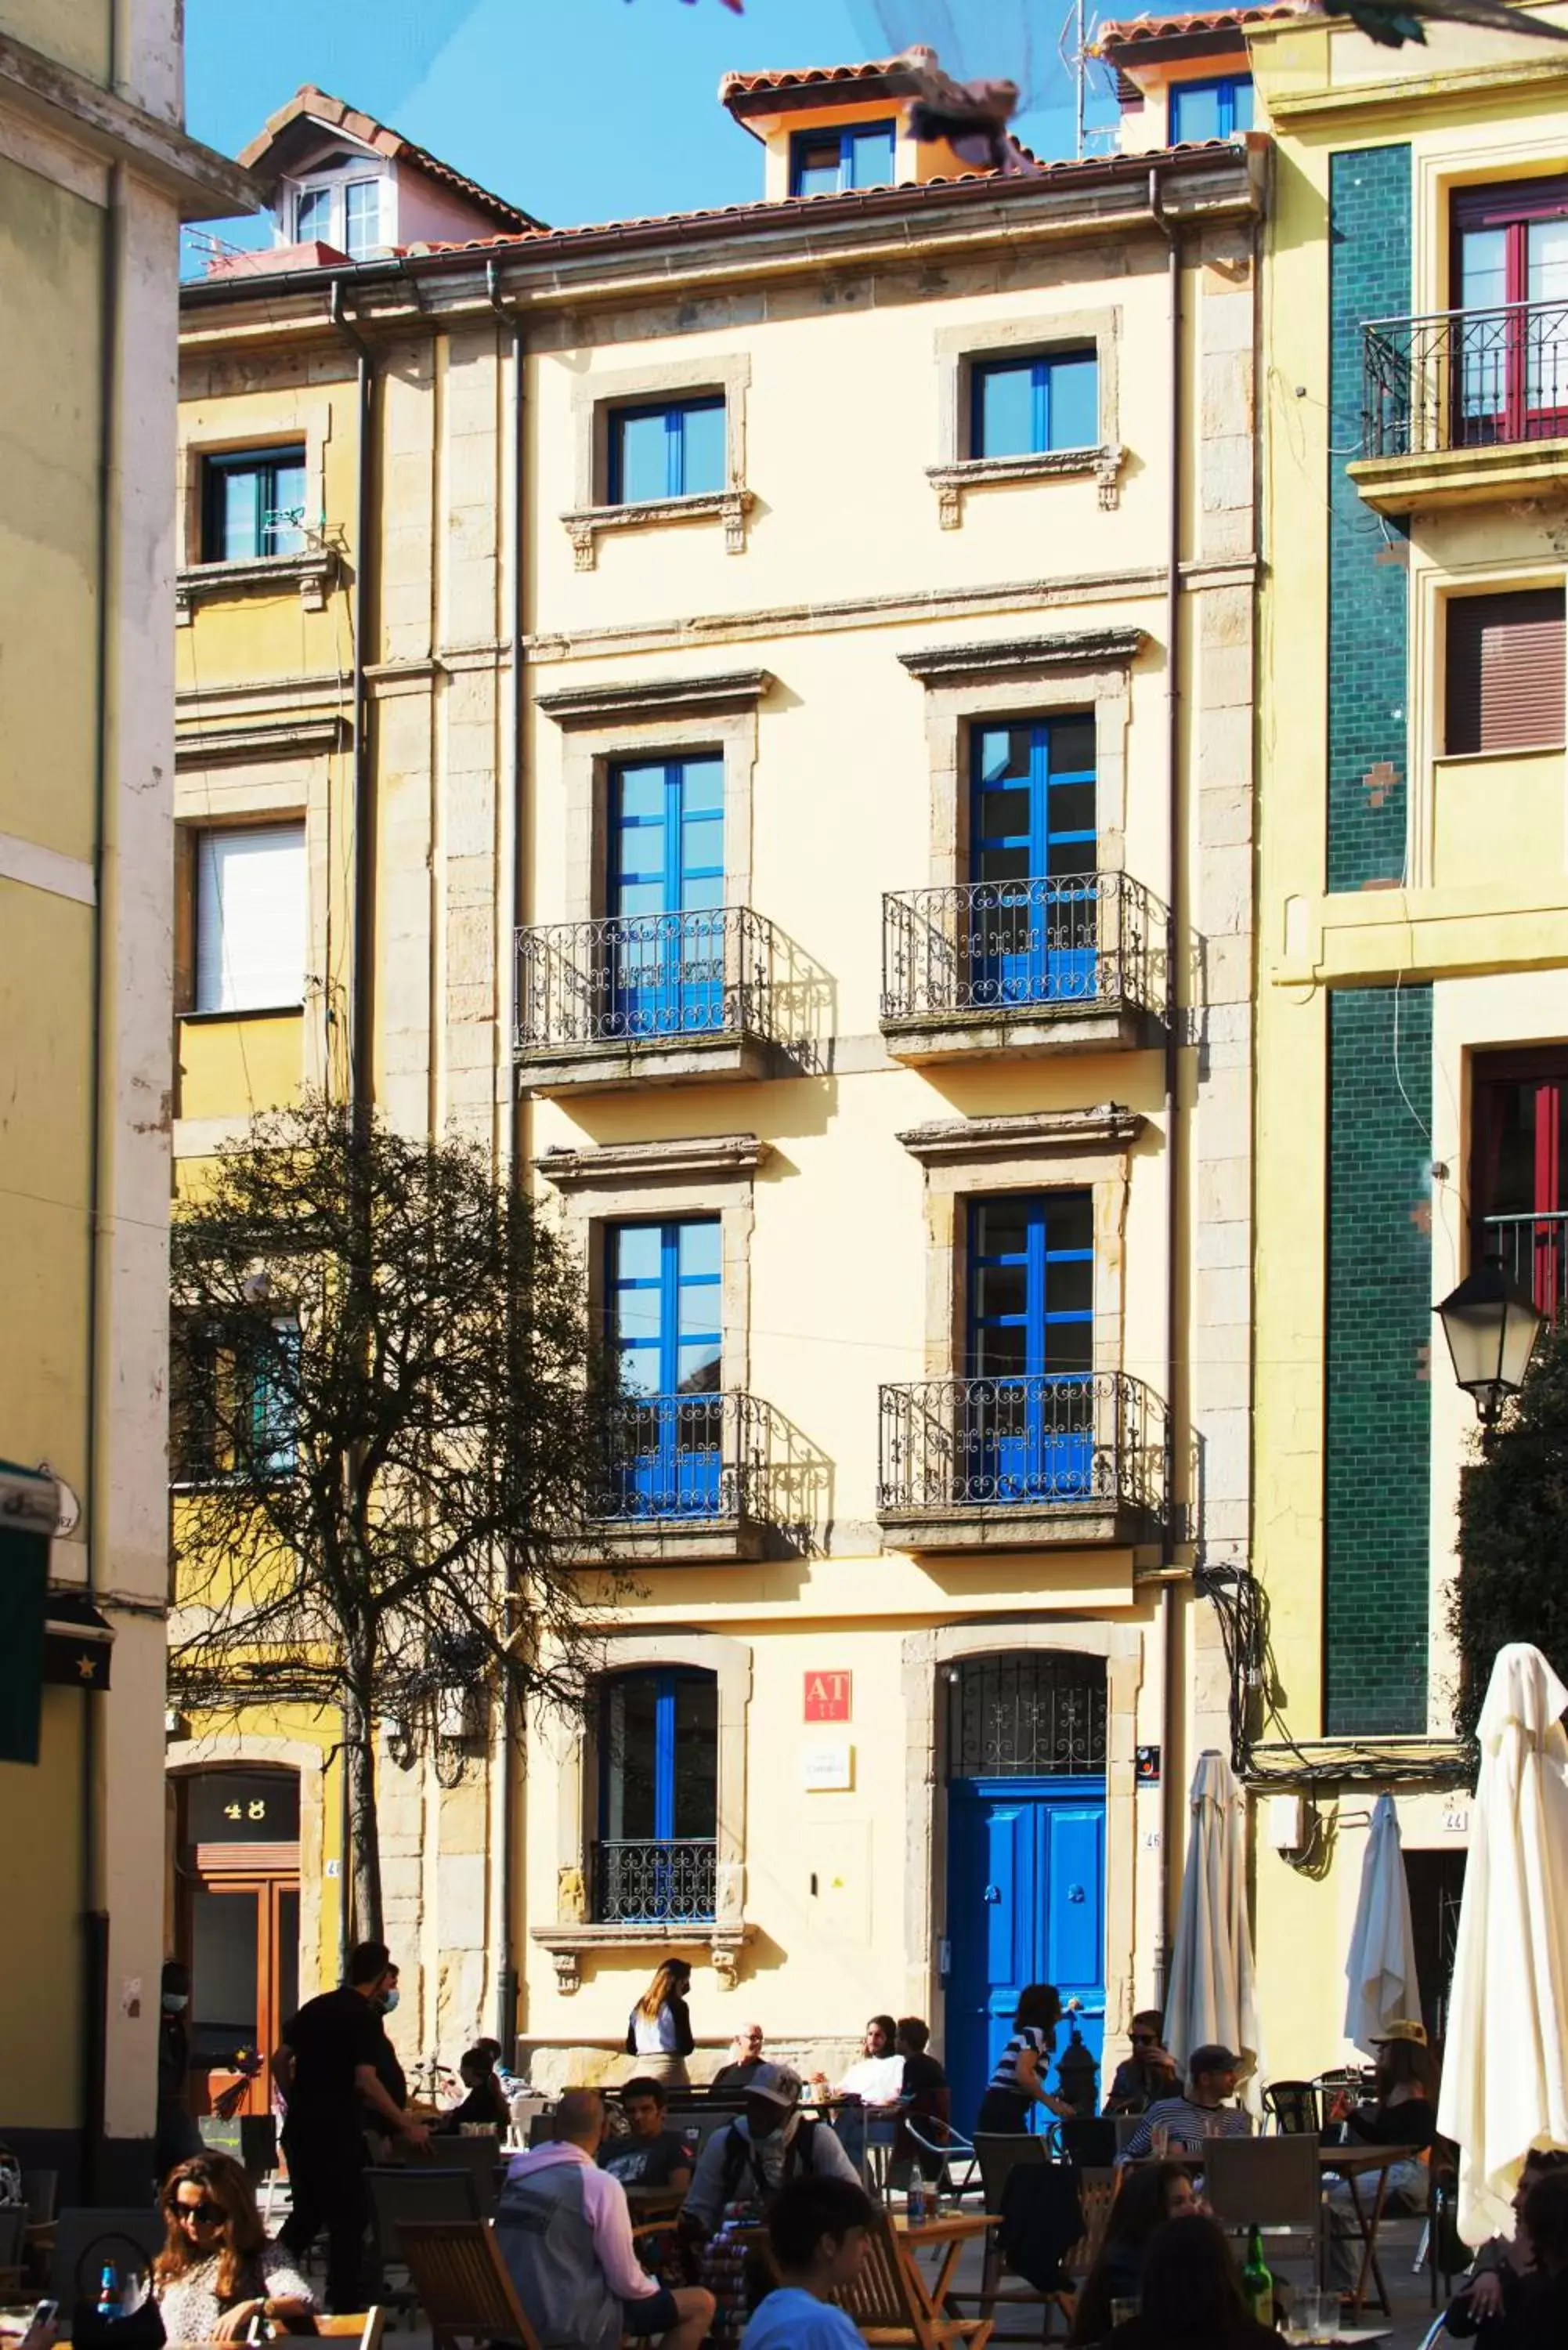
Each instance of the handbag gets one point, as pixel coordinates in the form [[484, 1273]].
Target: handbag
[[141, 2328]]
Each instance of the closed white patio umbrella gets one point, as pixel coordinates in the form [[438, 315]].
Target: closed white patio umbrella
[[1381, 1968], [1211, 1996], [1505, 2058]]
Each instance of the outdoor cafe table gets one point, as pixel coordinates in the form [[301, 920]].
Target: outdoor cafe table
[[949, 2232]]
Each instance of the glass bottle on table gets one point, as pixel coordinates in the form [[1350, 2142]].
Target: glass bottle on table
[[1257, 2280]]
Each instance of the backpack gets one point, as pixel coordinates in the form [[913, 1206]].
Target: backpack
[[738, 2158]]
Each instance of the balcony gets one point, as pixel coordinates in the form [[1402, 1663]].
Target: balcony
[[655, 1881], [685, 998], [1077, 964], [685, 1481], [1534, 1252], [1017, 1463], [1464, 406]]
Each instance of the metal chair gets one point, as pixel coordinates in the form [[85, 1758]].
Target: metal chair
[[1091, 2140], [463, 2285], [481, 2156], [886, 2301], [398, 2195], [997, 2156], [40, 2193], [13, 2235], [137, 2230], [1272, 2183]]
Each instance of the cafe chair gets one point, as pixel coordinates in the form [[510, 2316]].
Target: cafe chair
[[40, 2193], [890, 2305], [463, 2285], [1272, 2183], [129, 2237], [363, 2326], [12, 2233], [481, 2156], [1295, 2107]]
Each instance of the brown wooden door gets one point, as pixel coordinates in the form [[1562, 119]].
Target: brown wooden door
[[239, 1927]]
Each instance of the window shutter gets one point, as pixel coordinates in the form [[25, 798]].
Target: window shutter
[[1505, 670], [250, 918]]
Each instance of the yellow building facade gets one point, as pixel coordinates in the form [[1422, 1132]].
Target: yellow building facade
[[96, 175], [797, 664], [1413, 915]]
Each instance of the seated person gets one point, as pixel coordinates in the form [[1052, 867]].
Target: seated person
[[759, 2153], [647, 2154], [1149, 2072], [1491, 2293], [745, 2055], [1203, 2111], [217, 2274], [876, 2077], [486, 2099], [1154, 2193], [924, 2102], [1403, 2112], [1191, 2296], [565, 2233], [817, 2231]]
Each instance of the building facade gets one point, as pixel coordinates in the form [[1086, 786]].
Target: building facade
[[96, 175], [1412, 927], [797, 661]]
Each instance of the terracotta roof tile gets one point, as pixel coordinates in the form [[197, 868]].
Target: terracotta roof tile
[[1137, 32], [734, 85], [309, 104]]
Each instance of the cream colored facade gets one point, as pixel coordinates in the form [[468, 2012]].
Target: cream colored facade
[[96, 174], [830, 624]]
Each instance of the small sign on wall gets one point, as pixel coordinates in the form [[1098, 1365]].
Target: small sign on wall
[[827, 1697], [827, 1765]]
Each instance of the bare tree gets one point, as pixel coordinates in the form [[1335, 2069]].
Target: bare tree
[[386, 1437]]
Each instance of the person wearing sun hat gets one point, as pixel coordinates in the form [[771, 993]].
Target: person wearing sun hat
[[1402, 2111]]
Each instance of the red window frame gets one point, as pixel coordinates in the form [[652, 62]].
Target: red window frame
[[1542, 1265], [1512, 206]]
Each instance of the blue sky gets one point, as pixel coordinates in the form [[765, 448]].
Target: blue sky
[[586, 109]]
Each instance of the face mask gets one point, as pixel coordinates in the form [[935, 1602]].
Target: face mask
[[389, 2001], [173, 2001]]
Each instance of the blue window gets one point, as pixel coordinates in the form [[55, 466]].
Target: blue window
[[253, 505], [1210, 109], [1033, 854], [827, 162], [658, 1795], [1029, 1425], [666, 896], [662, 1293], [235, 1402], [677, 449], [1022, 408]]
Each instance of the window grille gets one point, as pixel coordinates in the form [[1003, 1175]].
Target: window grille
[[1026, 1717]]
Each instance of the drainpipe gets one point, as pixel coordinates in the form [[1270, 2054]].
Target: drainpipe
[[1173, 1693], [361, 1004], [94, 1957], [506, 1824]]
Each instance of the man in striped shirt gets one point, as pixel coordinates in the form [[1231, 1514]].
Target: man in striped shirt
[[1211, 2076]]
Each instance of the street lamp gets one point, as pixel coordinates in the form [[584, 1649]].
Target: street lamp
[[1491, 1327]]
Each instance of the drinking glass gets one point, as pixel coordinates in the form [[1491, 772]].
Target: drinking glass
[[1159, 2140], [1313, 2316]]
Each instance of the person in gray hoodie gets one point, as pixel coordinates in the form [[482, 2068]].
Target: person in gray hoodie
[[565, 2232]]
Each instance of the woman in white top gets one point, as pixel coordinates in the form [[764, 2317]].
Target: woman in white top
[[218, 2274], [877, 2078], [1018, 2080], [659, 2031]]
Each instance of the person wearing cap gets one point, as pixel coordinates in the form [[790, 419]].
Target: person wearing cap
[[1204, 2111], [768, 2145], [1402, 2111]]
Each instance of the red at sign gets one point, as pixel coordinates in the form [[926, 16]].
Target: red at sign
[[827, 1697]]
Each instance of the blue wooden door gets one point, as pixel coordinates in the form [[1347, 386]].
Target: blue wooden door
[[662, 1284], [1026, 1903], [1029, 1432], [1033, 851], [666, 896]]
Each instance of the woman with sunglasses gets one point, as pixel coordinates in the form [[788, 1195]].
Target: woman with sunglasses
[[217, 2271], [1148, 2073]]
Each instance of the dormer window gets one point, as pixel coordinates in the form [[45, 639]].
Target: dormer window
[[343, 213], [1210, 109], [828, 163]]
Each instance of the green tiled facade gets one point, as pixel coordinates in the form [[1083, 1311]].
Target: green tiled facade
[[1369, 277], [1378, 1481]]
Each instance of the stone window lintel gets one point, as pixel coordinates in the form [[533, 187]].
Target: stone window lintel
[[613, 1164], [957, 1141], [661, 697]]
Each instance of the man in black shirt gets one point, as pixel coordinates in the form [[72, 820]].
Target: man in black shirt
[[327, 2071], [649, 2154], [925, 2101]]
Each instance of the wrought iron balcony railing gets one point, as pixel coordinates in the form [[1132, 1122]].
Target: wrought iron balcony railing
[[655, 1881], [684, 1456], [1465, 379], [1098, 941], [646, 979], [1057, 1440], [1533, 1250]]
